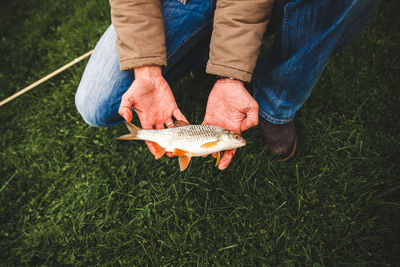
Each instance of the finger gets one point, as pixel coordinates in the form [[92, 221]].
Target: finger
[[125, 109], [169, 123], [251, 119], [214, 155], [179, 116], [160, 126], [151, 147], [226, 159], [247, 123], [146, 124], [126, 113]]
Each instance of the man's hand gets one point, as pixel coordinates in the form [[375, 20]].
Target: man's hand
[[152, 99], [230, 106]]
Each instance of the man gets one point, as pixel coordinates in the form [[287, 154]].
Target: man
[[153, 42]]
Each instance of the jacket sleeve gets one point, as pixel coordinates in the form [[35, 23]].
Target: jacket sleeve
[[238, 31], [140, 33]]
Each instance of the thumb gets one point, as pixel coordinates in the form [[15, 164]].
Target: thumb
[[248, 122], [125, 109], [126, 114], [251, 119]]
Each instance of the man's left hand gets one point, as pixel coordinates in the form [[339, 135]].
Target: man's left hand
[[230, 106]]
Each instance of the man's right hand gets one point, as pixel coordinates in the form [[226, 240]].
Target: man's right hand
[[152, 99]]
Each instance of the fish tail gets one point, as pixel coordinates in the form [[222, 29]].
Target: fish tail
[[133, 132]]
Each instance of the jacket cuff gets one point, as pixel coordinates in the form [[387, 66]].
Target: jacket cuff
[[130, 64], [226, 71]]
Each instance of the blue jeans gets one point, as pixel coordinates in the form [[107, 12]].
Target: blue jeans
[[307, 33]]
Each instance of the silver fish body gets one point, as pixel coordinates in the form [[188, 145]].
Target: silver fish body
[[192, 138], [187, 141]]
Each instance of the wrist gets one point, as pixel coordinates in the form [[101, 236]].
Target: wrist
[[229, 79], [148, 71]]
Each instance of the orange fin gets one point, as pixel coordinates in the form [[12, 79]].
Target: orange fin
[[218, 158], [210, 144], [180, 123], [159, 150], [184, 161], [133, 129], [179, 152]]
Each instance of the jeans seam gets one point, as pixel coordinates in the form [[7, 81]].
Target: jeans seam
[[263, 113], [284, 23]]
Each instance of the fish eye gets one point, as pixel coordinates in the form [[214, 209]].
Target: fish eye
[[236, 136]]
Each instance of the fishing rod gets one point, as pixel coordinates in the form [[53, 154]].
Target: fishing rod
[[49, 76]]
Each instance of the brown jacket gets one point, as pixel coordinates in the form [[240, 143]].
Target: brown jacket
[[239, 26]]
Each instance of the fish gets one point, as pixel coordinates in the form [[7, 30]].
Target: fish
[[187, 140]]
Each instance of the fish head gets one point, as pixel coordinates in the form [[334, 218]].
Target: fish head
[[232, 139]]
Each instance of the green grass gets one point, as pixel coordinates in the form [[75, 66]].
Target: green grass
[[71, 194]]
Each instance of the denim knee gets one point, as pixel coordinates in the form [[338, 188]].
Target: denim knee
[[97, 110], [90, 110]]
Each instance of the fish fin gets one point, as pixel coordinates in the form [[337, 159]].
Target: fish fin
[[184, 161], [127, 137], [179, 123], [218, 158], [133, 132], [209, 144], [158, 150], [179, 152], [132, 128]]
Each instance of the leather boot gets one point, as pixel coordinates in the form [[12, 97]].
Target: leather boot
[[280, 139]]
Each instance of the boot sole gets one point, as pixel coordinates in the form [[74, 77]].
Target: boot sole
[[291, 153]]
